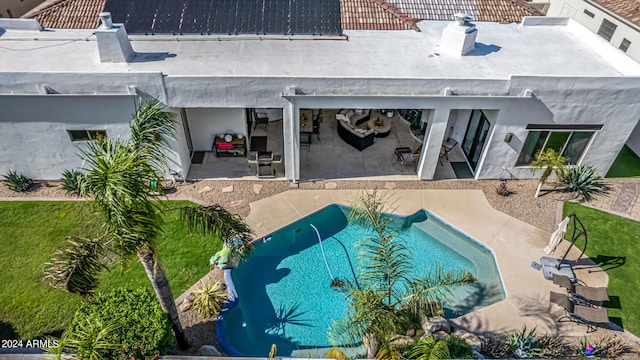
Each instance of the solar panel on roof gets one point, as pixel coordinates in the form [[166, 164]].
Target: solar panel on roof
[[300, 17]]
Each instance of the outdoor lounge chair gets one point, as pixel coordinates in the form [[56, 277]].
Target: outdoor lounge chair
[[580, 314], [583, 294]]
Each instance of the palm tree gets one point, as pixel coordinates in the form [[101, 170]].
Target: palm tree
[[383, 300], [118, 177], [551, 161]]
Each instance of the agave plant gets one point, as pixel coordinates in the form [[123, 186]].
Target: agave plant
[[209, 298], [72, 181], [523, 344], [584, 181], [17, 182]]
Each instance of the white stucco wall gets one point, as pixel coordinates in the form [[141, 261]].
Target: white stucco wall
[[207, 123], [33, 130], [575, 9], [634, 140]]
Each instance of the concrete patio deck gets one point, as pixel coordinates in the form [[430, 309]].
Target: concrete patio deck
[[515, 245]]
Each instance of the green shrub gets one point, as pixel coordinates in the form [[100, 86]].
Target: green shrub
[[458, 348], [208, 300], [72, 181], [584, 181], [523, 344], [17, 182], [551, 347], [138, 325]]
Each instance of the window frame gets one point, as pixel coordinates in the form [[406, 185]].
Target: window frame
[[566, 143], [604, 27], [624, 44], [90, 135]]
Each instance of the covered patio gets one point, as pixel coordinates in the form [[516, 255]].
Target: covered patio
[[330, 157]]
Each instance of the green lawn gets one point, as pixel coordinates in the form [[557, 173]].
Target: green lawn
[[32, 231], [627, 164], [613, 243]]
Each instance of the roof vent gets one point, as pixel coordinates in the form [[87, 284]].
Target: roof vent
[[105, 18], [113, 41], [459, 37]]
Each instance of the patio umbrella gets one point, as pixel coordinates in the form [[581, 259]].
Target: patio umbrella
[[557, 236]]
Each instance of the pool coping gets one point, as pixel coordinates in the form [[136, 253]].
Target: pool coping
[[526, 300]]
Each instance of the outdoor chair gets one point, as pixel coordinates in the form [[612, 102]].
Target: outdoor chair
[[260, 119], [580, 314], [265, 164], [584, 295], [444, 151], [407, 157]]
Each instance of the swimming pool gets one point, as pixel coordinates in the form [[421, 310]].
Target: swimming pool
[[284, 289]]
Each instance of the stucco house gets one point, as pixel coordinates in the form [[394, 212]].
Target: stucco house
[[501, 91]]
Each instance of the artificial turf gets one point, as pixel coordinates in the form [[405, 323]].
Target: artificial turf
[[627, 164], [613, 243], [33, 230]]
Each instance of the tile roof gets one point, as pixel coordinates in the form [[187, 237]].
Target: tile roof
[[480, 10], [628, 9], [374, 15], [68, 14]]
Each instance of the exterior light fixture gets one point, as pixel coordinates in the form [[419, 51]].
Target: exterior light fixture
[[507, 137]]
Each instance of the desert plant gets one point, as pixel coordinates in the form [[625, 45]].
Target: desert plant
[[611, 346], [458, 348], [584, 181], [209, 298], [136, 322], [551, 347], [495, 346], [552, 162], [17, 182], [523, 344], [588, 350], [502, 188], [72, 181]]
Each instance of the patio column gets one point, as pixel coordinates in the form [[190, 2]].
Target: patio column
[[432, 144], [291, 141]]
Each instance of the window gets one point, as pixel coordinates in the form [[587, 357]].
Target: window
[[86, 135], [607, 28], [624, 45], [571, 144], [589, 13]]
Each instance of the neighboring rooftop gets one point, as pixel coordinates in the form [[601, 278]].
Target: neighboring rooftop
[[502, 50], [628, 9], [480, 10], [327, 17]]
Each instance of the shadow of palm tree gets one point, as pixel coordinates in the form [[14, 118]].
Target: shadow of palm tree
[[606, 262], [291, 316]]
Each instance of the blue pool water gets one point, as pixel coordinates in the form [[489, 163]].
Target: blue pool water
[[284, 289]]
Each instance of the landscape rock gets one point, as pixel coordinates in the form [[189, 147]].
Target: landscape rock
[[209, 350], [434, 324], [411, 332], [402, 341], [330, 185], [390, 185], [257, 188], [471, 339], [227, 189], [440, 334], [204, 190], [186, 304]]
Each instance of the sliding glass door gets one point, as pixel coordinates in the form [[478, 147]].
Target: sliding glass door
[[474, 137]]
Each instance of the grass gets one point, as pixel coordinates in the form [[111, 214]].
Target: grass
[[32, 231], [613, 245], [627, 164]]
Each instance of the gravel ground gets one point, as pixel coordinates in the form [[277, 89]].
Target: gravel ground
[[236, 196]]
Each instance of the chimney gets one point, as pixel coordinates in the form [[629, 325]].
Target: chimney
[[113, 41], [459, 37]]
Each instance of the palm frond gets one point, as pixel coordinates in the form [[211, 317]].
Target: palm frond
[[76, 268], [216, 220], [435, 288], [151, 129], [430, 349], [551, 161]]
